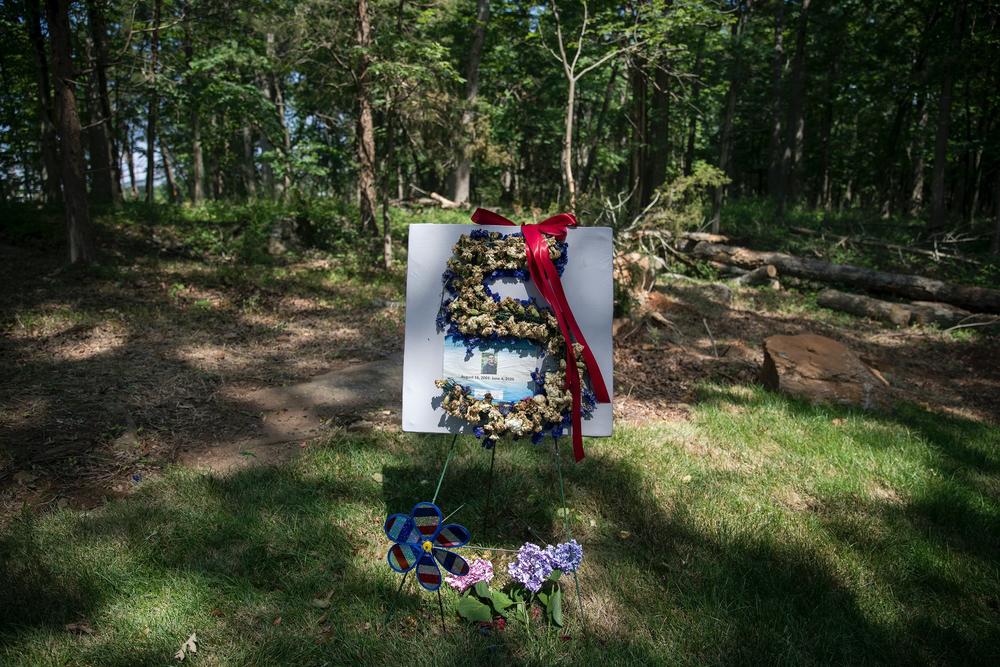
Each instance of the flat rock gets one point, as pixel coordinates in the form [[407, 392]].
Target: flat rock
[[821, 370]]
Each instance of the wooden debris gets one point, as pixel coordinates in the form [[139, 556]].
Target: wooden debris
[[821, 370], [910, 286], [865, 306], [762, 275], [940, 314]]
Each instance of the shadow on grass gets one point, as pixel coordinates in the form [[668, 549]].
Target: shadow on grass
[[284, 565]]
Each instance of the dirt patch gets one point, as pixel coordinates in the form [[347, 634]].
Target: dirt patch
[[657, 368], [109, 375]]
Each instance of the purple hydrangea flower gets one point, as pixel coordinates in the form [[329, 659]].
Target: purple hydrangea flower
[[531, 567], [479, 570], [565, 557]]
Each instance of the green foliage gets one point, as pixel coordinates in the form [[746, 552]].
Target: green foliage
[[682, 202], [482, 604]]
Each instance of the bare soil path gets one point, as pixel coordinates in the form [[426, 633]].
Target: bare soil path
[[107, 376]]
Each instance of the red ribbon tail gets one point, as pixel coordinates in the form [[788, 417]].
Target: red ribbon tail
[[546, 279]]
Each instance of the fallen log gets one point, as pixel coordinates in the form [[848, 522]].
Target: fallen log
[[980, 299], [936, 255], [728, 270], [444, 201], [923, 313], [865, 306], [941, 314], [762, 275]]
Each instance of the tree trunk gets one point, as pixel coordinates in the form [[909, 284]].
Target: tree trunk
[[792, 158], [47, 129], [692, 130], [995, 245], [917, 142], [657, 152], [732, 94], [775, 181], [130, 159], [194, 117], [823, 197], [638, 81], [596, 136], [463, 167], [78, 227], [98, 141], [154, 104], [286, 137], [249, 170], [172, 192], [939, 208], [111, 179], [762, 275], [567, 147], [365, 133], [914, 287], [197, 159]]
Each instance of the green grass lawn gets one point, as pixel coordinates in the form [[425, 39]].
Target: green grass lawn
[[763, 531]]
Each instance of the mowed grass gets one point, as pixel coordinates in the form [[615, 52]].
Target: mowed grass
[[763, 531]]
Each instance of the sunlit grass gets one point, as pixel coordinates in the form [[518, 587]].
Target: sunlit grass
[[763, 531]]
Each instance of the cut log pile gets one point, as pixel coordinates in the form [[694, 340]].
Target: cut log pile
[[928, 301], [928, 293]]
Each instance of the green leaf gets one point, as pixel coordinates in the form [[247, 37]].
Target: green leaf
[[473, 610], [555, 607], [500, 600], [482, 590], [554, 576]]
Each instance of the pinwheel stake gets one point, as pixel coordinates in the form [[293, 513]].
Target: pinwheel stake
[[422, 538], [421, 542]]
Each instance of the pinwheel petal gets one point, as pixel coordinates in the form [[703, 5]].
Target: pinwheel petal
[[452, 562], [428, 573], [451, 535], [426, 517], [402, 557], [400, 528]]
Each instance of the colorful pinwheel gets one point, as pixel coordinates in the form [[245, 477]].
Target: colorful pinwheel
[[422, 542]]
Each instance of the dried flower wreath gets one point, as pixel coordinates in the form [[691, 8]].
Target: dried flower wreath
[[477, 315]]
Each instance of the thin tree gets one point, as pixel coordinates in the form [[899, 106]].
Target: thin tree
[[463, 160], [194, 117], [78, 227], [732, 94], [775, 179], [570, 65], [154, 103], [939, 210], [365, 133], [792, 155], [104, 134], [47, 128]]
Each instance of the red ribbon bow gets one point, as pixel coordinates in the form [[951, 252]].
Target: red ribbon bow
[[546, 278]]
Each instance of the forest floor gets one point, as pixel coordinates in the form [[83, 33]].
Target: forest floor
[[120, 383]]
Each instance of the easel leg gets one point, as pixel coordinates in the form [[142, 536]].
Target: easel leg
[[487, 519], [441, 607], [451, 450], [566, 527]]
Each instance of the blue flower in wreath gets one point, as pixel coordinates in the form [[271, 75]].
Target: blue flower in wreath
[[422, 542]]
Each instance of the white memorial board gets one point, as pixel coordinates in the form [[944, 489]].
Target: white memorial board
[[428, 356]]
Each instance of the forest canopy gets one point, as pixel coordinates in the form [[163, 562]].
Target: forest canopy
[[882, 105]]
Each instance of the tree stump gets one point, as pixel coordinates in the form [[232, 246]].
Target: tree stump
[[821, 370]]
